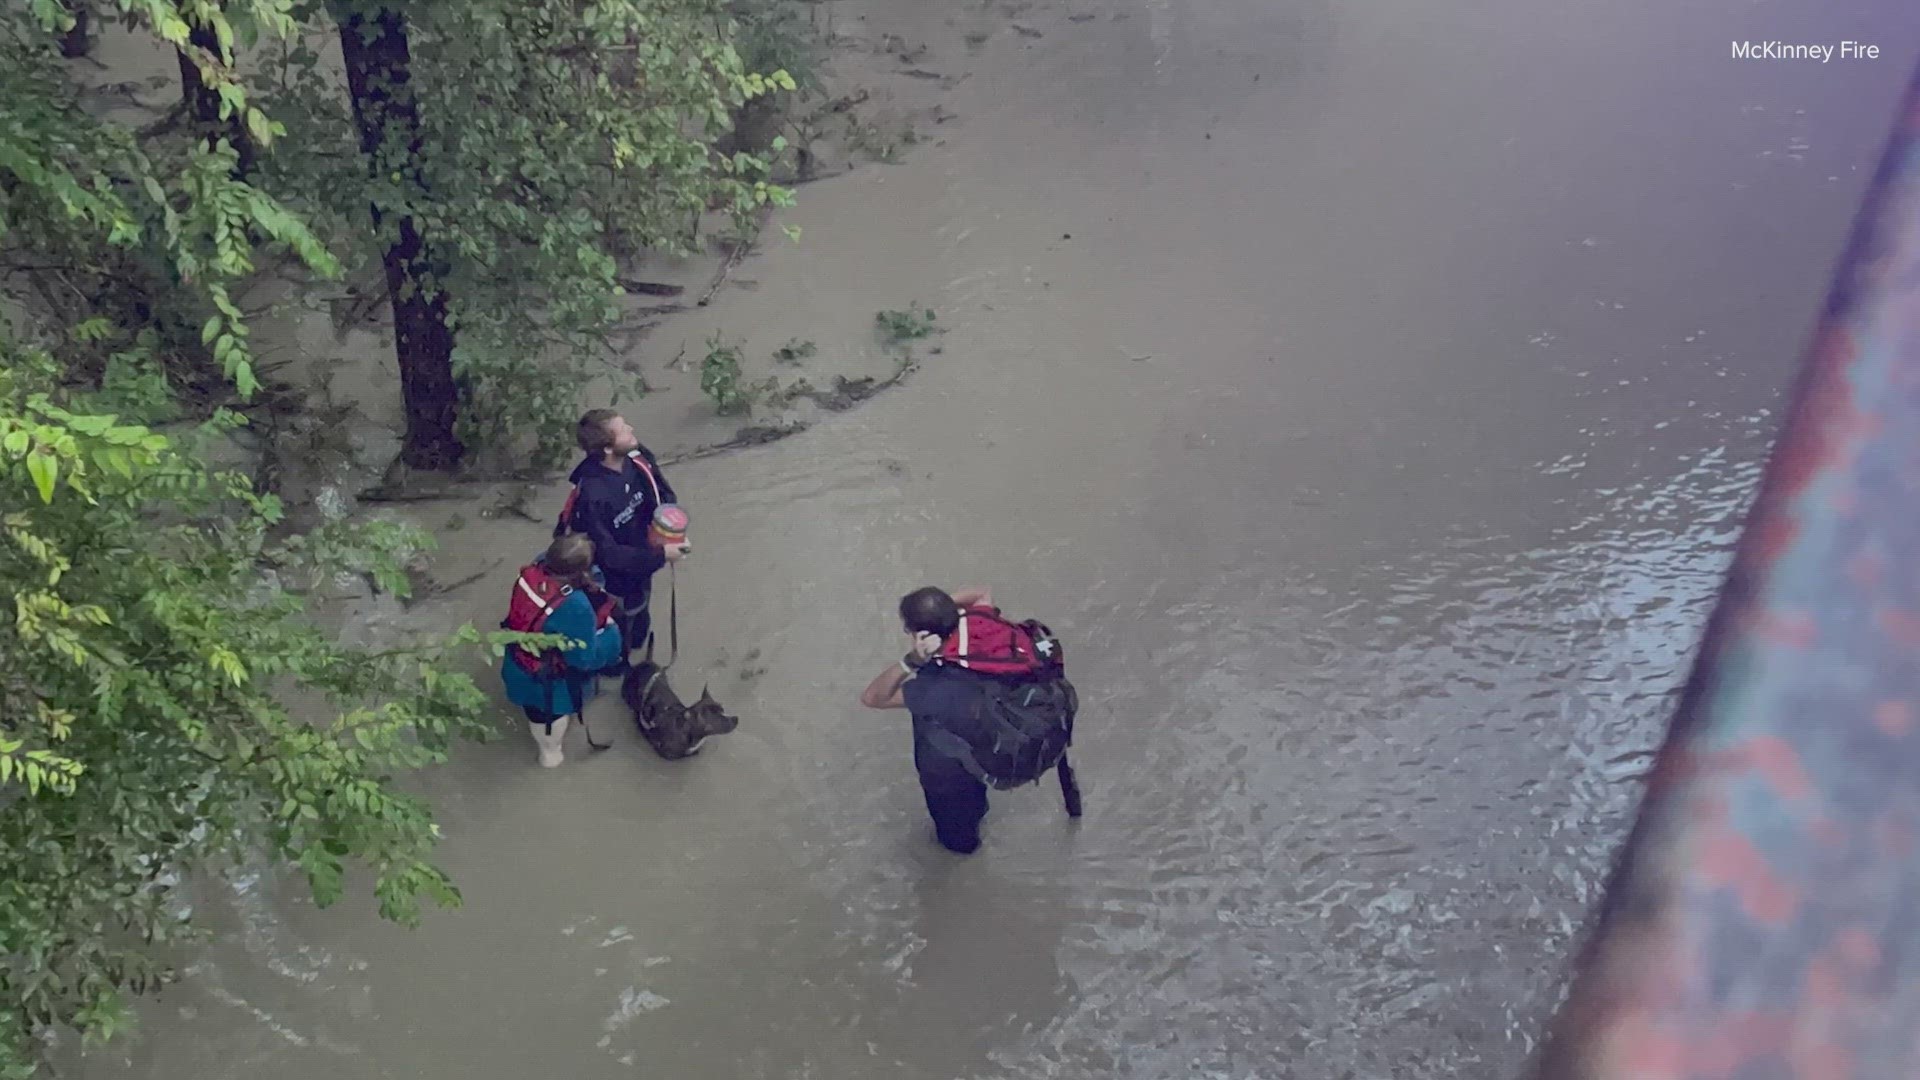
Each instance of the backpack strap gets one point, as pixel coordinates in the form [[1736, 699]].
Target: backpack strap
[[959, 751], [963, 656], [564, 524], [646, 470], [1069, 787], [962, 653], [577, 683], [547, 607], [603, 611]]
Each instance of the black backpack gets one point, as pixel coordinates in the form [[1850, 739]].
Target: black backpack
[[1016, 732]]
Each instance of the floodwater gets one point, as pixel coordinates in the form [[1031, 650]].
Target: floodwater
[[1367, 390]]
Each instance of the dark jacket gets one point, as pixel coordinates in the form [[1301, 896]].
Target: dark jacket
[[940, 696], [614, 510]]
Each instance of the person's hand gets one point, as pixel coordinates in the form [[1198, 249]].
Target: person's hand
[[676, 552], [925, 645]]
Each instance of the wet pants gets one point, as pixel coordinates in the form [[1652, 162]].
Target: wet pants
[[636, 622], [956, 804]]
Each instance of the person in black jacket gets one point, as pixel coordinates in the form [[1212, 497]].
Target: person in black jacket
[[619, 486], [936, 696]]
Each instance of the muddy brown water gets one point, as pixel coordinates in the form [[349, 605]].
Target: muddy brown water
[[1369, 393]]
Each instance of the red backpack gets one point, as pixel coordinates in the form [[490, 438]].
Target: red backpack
[[536, 595], [989, 644], [1021, 725], [564, 524]]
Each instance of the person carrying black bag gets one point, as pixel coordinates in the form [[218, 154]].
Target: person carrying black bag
[[990, 702]]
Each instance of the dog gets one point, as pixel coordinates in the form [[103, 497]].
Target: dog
[[674, 730]]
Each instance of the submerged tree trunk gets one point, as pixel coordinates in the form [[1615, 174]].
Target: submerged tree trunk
[[203, 102], [75, 43], [374, 45]]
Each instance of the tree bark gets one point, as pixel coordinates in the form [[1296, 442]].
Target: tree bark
[[203, 103], [75, 43], [378, 62]]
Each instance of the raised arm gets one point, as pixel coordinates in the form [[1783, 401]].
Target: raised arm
[[967, 598], [886, 691]]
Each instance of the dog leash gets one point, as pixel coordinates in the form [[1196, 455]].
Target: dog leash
[[673, 630], [673, 622], [579, 695], [673, 644]]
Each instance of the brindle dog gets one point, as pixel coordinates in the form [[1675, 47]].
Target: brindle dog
[[673, 729]]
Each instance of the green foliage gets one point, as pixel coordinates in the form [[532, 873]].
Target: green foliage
[[133, 254], [721, 381], [143, 736], [775, 35], [144, 732], [135, 385], [560, 138], [898, 328], [877, 142]]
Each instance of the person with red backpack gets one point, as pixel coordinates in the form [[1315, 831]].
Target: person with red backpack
[[557, 594], [616, 491], [990, 702]]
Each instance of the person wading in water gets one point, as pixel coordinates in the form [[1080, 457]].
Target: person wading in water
[[935, 695], [557, 594], [616, 491]]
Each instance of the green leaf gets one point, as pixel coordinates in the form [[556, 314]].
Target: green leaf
[[232, 97], [208, 331], [104, 1019], [259, 127], [53, 15], [45, 470]]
